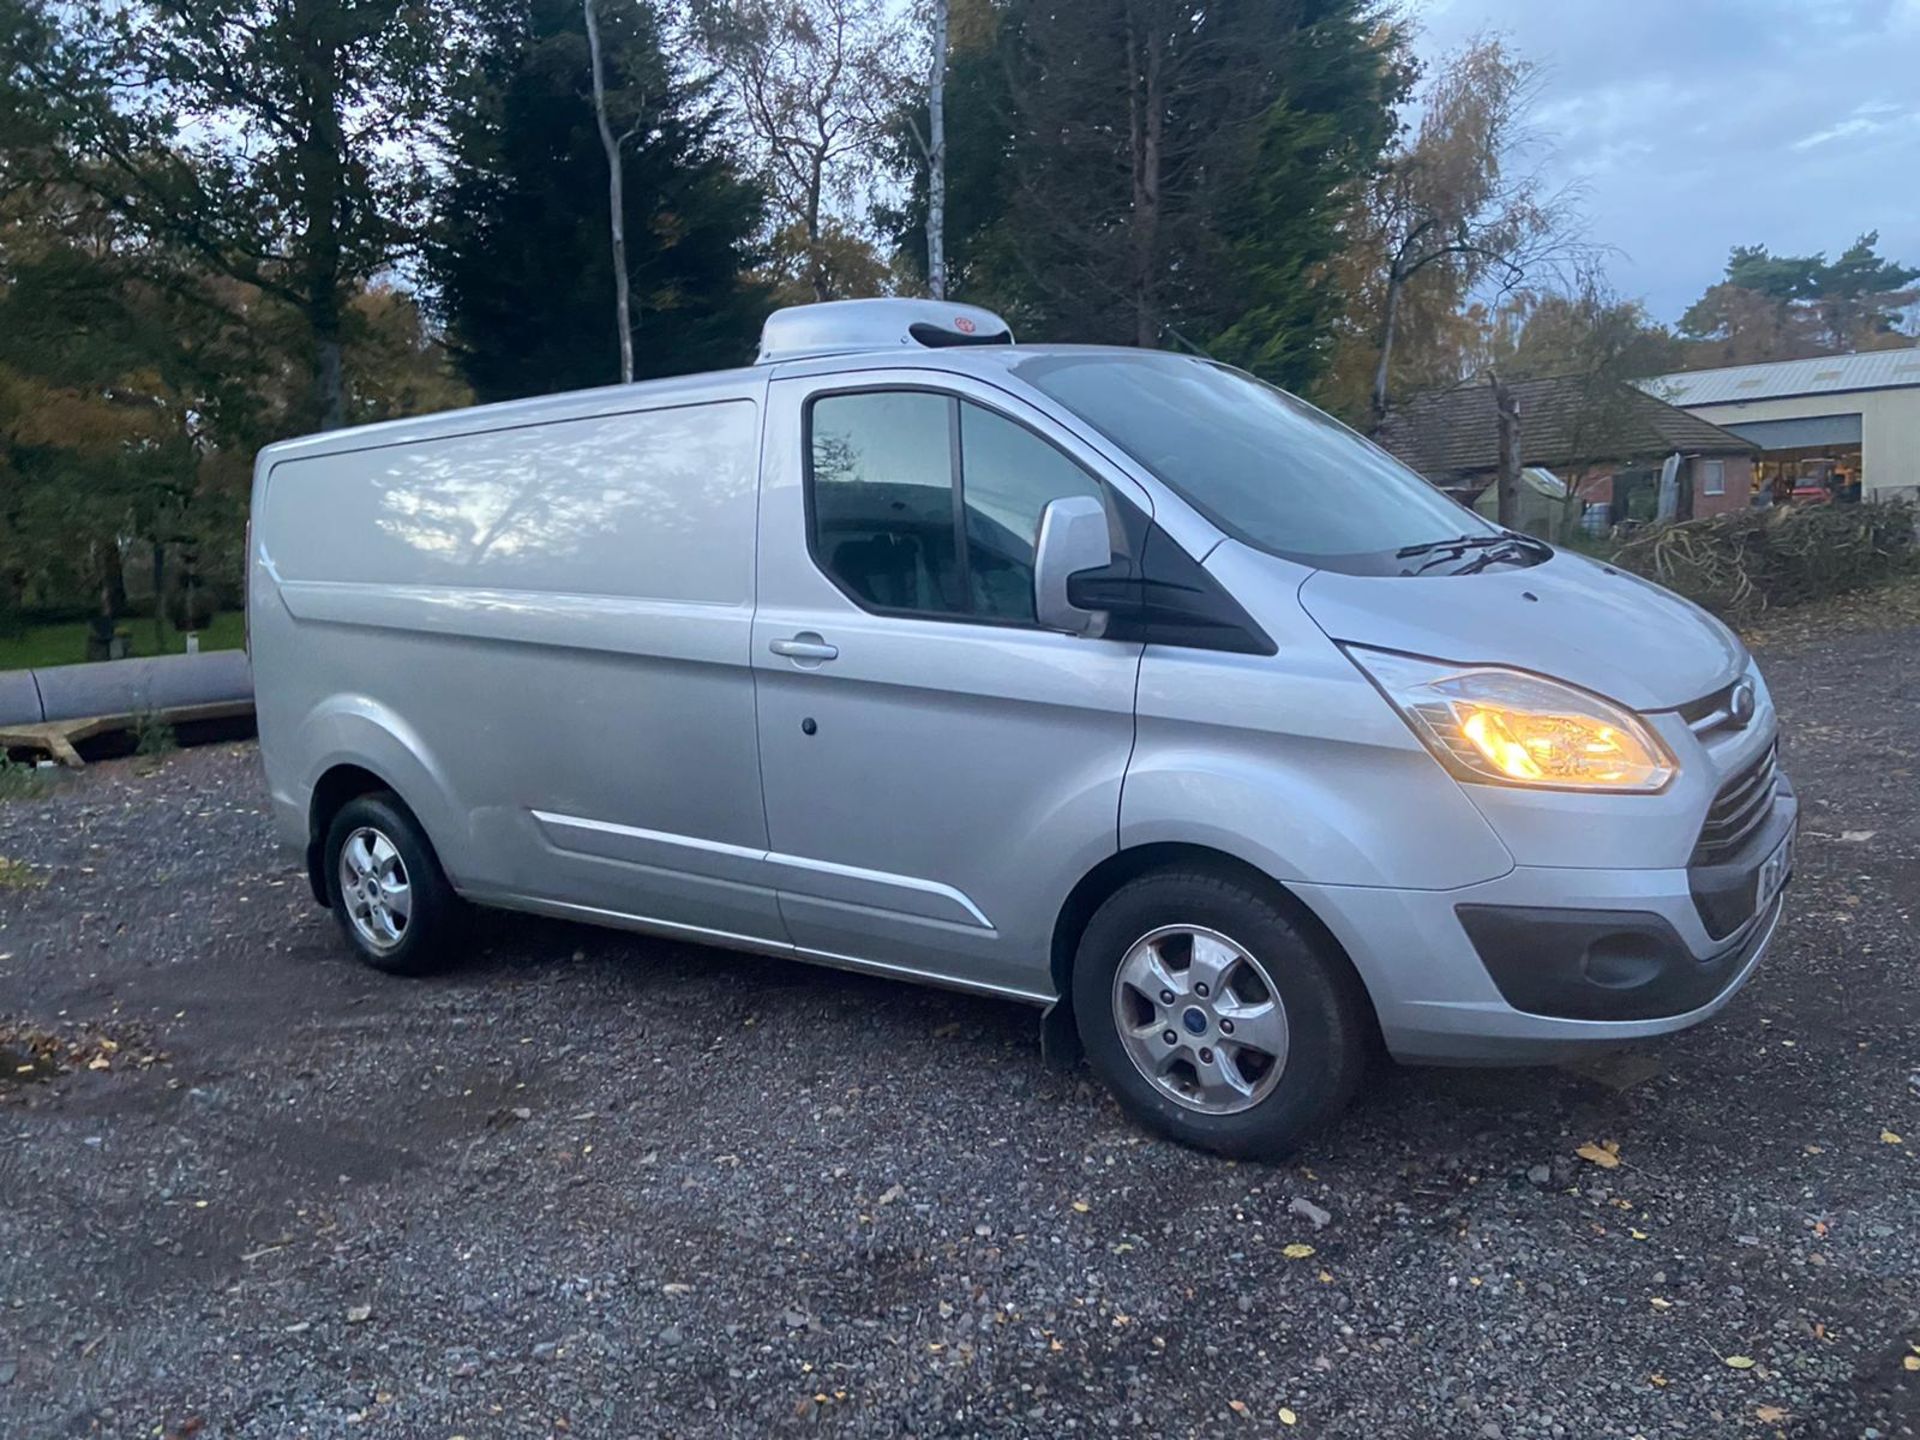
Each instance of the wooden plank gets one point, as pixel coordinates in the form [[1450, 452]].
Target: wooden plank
[[61, 748], [54, 738], [58, 737]]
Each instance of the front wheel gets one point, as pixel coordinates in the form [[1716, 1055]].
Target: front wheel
[[387, 890], [1212, 1017]]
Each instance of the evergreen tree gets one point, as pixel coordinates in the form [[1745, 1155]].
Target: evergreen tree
[[1158, 173], [1321, 136], [520, 253], [1787, 307]]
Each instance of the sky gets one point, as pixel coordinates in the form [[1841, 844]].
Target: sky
[[1696, 125]]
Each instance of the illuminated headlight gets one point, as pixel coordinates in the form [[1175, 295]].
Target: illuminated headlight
[[1512, 728]]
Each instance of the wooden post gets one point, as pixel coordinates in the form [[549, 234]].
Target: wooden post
[[1507, 420]]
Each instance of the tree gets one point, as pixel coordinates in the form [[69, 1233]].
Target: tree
[[923, 122], [108, 400], [1596, 345], [1785, 307], [138, 378], [1319, 144], [276, 142], [1151, 173], [810, 81], [1862, 296], [395, 363], [616, 197], [975, 160], [523, 269], [1453, 207], [1584, 331], [937, 156]]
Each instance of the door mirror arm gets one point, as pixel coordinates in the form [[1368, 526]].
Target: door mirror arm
[[1115, 588], [1165, 598]]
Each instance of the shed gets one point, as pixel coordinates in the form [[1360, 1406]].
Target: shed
[[1588, 431]]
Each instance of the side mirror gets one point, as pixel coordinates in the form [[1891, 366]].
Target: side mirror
[[1073, 538]]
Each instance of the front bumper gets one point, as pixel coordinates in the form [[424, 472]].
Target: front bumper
[[1582, 957]]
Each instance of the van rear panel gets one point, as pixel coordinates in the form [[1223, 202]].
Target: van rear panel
[[549, 617], [651, 505]]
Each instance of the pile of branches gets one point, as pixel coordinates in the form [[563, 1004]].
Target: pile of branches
[[1740, 564]]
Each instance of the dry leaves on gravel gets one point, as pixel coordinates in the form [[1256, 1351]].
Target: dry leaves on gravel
[[1606, 1155], [31, 1053]]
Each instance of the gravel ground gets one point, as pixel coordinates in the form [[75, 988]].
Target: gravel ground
[[600, 1186]]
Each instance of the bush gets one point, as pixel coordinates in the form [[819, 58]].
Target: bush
[[1740, 564], [191, 609]]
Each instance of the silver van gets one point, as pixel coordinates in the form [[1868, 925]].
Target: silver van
[[1109, 680]]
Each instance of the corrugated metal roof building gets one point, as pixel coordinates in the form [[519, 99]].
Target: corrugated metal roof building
[[1852, 416]]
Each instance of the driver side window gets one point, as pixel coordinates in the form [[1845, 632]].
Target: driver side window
[[896, 477], [1011, 475]]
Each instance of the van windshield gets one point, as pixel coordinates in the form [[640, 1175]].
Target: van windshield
[[1266, 468]]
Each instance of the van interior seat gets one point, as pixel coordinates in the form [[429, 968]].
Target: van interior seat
[[888, 569]]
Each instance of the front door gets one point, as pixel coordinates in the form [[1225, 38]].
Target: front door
[[938, 771]]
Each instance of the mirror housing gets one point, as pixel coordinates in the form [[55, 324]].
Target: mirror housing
[[1074, 537], [1158, 595]]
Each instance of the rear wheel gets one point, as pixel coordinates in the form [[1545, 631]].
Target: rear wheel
[[387, 890], [1213, 1018]]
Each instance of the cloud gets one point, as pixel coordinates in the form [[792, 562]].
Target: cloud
[[1696, 125], [1867, 118]]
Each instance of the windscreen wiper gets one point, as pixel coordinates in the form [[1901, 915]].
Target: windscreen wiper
[[1457, 542], [1442, 551], [1439, 552], [1504, 550]]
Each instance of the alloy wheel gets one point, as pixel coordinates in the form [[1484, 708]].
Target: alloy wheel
[[374, 888], [1201, 1019]]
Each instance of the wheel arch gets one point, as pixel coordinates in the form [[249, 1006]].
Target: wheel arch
[[353, 746], [340, 783], [1116, 870], [336, 785]]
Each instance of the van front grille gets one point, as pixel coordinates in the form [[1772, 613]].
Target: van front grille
[[1741, 807]]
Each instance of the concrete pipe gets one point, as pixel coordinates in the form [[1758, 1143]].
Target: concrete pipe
[[19, 698], [135, 687]]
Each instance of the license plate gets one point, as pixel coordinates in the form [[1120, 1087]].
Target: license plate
[[1774, 871]]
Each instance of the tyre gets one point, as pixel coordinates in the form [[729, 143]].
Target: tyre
[[387, 890], [1213, 1018]]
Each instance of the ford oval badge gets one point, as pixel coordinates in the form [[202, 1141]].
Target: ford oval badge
[[1742, 704]]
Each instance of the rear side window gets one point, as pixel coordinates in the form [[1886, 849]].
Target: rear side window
[[928, 504]]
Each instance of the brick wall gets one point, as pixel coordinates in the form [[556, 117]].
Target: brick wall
[[1737, 490], [1595, 485]]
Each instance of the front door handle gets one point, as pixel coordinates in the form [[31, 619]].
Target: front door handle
[[804, 646]]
